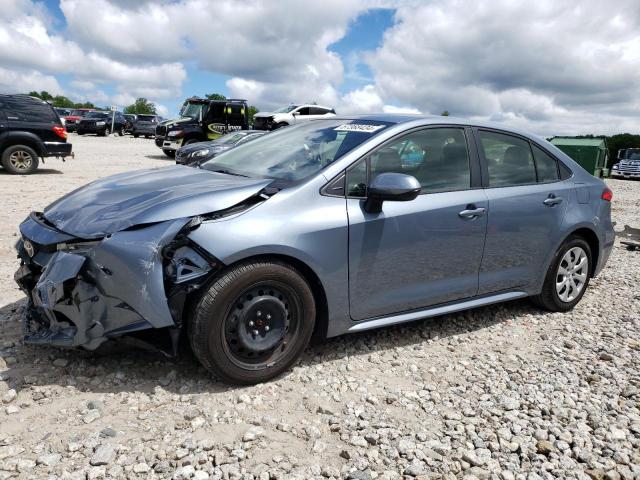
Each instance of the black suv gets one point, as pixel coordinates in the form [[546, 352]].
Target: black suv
[[202, 119], [29, 129], [101, 123]]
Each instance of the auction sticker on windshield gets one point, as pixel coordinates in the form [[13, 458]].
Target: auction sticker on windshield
[[358, 127]]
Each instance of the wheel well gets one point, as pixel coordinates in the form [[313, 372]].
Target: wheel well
[[592, 239], [322, 310], [19, 141]]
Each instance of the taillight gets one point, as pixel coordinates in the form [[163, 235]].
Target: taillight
[[60, 131], [607, 195]]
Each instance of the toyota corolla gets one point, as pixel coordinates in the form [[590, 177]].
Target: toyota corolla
[[332, 226]]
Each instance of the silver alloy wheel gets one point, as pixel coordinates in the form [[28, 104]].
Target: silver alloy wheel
[[21, 160], [572, 274]]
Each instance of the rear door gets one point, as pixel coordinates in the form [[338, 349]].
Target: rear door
[[425, 251], [527, 204]]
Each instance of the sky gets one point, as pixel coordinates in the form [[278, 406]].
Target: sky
[[553, 67]]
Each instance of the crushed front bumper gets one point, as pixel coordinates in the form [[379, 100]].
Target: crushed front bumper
[[81, 293]]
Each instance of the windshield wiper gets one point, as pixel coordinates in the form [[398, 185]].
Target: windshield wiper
[[229, 172]]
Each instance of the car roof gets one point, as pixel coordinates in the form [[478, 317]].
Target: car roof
[[421, 119]]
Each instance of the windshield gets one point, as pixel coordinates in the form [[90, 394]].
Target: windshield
[[78, 113], [96, 115], [146, 118], [296, 152], [633, 154], [230, 138], [286, 109], [191, 110]]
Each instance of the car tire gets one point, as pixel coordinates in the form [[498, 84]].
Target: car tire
[[169, 153], [19, 160], [135, 135], [566, 282], [121, 132], [253, 322], [279, 125], [80, 132], [105, 133]]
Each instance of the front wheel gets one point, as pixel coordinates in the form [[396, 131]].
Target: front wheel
[[253, 322], [567, 278], [169, 153], [121, 132]]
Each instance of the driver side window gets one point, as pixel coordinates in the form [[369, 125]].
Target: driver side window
[[437, 157], [303, 111]]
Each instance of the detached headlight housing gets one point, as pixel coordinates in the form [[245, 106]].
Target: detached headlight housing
[[100, 124], [175, 133], [199, 153]]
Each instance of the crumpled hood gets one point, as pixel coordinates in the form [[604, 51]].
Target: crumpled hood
[[121, 201]]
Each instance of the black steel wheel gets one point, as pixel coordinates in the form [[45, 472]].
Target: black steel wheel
[[253, 322]]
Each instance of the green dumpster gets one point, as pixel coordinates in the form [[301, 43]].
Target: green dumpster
[[590, 153]]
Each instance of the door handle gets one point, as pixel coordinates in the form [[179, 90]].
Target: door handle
[[471, 212], [552, 200]]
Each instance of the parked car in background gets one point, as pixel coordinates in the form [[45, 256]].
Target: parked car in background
[[289, 115], [130, 118], [145, 125], [628, 165], [202, 119], [72, 120], [62, 113], [197, 153], [101, 123], [30, 129], [321, 226]]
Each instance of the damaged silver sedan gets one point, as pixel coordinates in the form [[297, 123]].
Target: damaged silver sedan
[[328, 227]]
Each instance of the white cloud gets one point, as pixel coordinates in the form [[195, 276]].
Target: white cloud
[[24, 81], [546, 65]]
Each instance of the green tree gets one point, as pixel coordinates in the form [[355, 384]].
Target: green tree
[[62, 101], [445, 113], [215, 96], [44, 95], [252, 111], [141, 106]]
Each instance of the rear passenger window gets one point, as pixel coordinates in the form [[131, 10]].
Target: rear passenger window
[[546, 165], [28, 110], [509, 159]]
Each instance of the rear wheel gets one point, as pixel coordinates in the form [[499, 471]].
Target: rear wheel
[[567, 278], [20, 160], [106, 132], [121, 131], [169, 153], [135, 135], [253, 322]]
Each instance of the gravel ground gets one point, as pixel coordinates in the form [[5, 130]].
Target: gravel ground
[[503, 392]]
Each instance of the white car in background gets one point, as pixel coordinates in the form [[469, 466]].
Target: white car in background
[[289, 115]]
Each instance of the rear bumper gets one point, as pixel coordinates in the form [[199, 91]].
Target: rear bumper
[[57, 149], [143, 130]]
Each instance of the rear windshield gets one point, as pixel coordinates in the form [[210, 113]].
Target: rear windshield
[[146, 118]]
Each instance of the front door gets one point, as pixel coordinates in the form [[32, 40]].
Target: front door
[[527, 203], [422, 252]]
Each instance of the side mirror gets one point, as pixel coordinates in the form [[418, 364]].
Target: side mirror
[[391, 187], [295, 114]]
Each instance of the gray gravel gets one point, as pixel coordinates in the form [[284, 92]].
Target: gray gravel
[[505, 392]]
